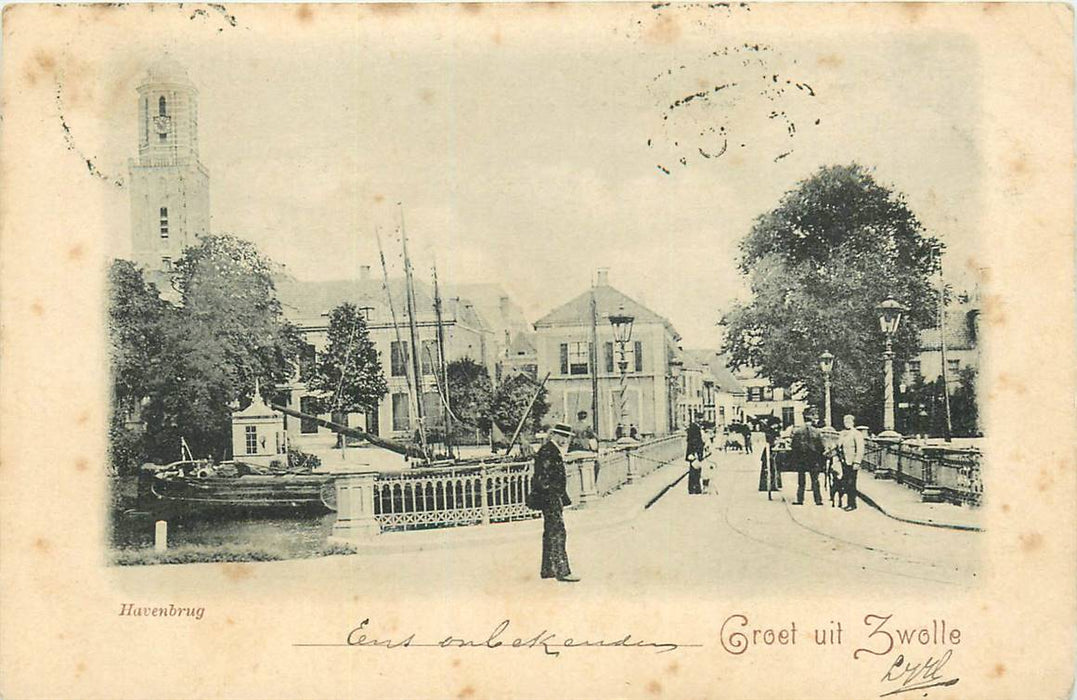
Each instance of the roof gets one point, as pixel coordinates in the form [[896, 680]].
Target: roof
[[608, 300], [960, 331], [305, 301], [523, 344], [493, 304], [166, 70], [718, 365]]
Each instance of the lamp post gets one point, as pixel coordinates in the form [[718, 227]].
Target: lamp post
[[622, 333], [826, 364], [675, 367], [889, 319]]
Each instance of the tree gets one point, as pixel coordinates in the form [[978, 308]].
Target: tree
[[925, 410], [510, 402], [470, 392], [227, 332], [136, 316], [347, 373], [834, 247]]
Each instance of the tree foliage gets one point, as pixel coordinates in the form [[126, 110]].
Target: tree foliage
[[470, 392], [184, 367], [818, 264], [923, 411], [348, 376], [510, 401]]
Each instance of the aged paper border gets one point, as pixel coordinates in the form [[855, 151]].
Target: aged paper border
[[59, 632]]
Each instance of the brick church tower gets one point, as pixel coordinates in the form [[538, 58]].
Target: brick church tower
[[169, 186]]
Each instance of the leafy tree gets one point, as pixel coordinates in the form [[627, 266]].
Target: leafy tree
[[510, 401], [470, 392], [347, 374], [834, 247], [136, 317], [924, 409], [227, 332]]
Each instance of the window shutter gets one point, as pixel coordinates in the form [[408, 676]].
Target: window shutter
[[609, 357], [639, 356], [564, 358]]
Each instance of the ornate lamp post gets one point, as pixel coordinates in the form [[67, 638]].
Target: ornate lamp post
[[675, 367], [889, 319], [826, 364], [622, 333]]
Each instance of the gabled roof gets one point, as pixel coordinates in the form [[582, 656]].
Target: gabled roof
[[523, 344], [577, 312]]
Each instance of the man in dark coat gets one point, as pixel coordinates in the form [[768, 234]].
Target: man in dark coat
[[549, 496], [694, 455], [807, 455], [695, 440]]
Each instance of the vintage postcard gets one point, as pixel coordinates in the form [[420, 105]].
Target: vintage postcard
[[560, 350]]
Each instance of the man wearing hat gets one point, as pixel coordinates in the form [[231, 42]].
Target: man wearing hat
[[806, 451], [549, 496]]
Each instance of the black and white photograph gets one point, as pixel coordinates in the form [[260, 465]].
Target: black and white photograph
[[501, 350]]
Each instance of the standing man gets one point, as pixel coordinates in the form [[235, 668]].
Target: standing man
[[807, 454], [851, 454], [549, 496], [695, 440]]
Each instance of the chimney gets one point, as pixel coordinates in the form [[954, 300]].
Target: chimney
[[603, 277], [364, 272]]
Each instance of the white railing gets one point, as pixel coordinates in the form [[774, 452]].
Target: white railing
[[440, 497], [453, 496]]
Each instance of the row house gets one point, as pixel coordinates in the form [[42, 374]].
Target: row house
[[762, 398], [308, 304], [575, 344], [723, 394]]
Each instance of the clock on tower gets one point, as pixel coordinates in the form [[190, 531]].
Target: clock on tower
[[169, 185]]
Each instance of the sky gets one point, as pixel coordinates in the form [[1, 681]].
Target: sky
[[531, 147]]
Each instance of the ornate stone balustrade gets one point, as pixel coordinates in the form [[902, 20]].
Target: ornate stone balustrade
[[939, 472]]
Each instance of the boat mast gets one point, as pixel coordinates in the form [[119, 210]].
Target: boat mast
[[594, 361], [446, 406], [413, 333], [392, 310]]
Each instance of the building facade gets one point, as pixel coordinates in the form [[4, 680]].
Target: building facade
[[169, 186], [308, 304], [962, 348], [762, 398], [575, 345], [723, 394]]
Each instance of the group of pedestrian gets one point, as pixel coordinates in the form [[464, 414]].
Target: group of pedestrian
[[810, 457]]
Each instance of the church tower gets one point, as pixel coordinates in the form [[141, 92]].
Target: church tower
[[169, 186]]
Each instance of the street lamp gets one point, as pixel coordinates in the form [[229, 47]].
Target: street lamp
[[622, 333], [889, 319], [826, 364], [675, 367]]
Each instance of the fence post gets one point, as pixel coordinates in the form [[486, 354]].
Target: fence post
[[355, 506], [886, 455], [484, 504], [588, 490], [931, 492], [630, 467]]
